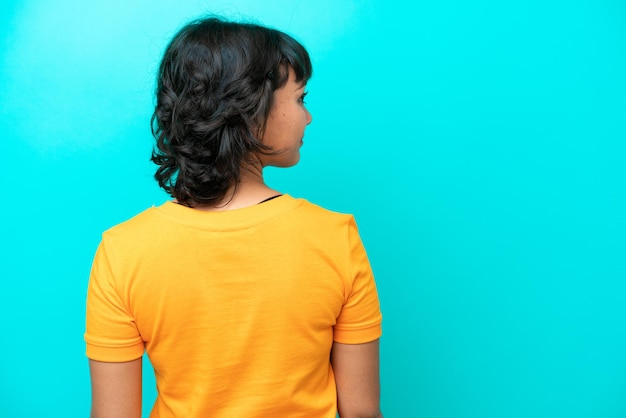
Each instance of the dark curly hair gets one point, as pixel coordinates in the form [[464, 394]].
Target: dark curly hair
[[215, 90]]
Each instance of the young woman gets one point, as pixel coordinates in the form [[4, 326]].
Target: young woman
[[249, 302]]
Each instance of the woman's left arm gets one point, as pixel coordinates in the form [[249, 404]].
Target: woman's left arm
[[115, 389]]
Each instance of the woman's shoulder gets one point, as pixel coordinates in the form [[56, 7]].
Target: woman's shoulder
[[315, 211], [135, 224]]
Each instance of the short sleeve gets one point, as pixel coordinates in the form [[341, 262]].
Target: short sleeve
[[111, 333], [360, 318]]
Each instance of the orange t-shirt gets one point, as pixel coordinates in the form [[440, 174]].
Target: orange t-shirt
[[237, 310]]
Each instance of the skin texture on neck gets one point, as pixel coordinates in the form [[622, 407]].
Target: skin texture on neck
[[250, 190]]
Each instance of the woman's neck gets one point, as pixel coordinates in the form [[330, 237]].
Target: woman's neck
[[250, 190]]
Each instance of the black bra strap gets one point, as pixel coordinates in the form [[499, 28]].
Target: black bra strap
[[269, 198]]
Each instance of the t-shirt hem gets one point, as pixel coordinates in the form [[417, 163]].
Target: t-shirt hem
[[358, 336], [115, 355]]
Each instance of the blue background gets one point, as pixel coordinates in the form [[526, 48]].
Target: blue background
[[481, 146]]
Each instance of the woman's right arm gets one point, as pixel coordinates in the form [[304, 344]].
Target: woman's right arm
[[356, 369]]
